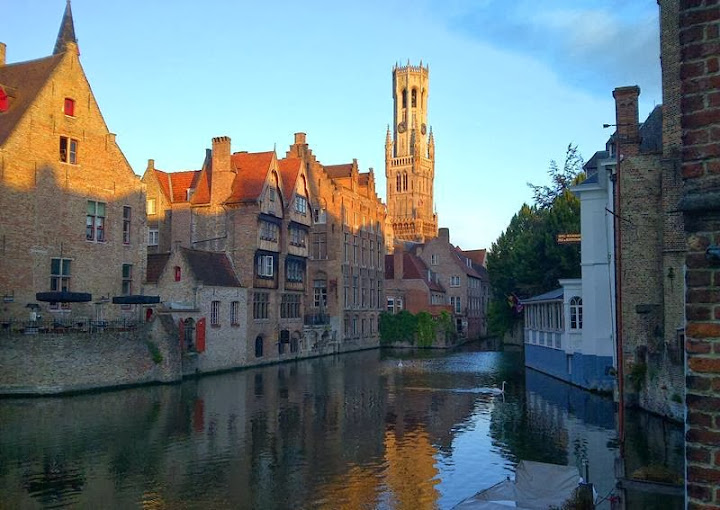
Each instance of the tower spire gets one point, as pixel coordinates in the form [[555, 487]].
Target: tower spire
[[66, 34]]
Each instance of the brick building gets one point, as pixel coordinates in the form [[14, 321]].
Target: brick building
[[346, 266], [410, 159], [410, 285], [692, 30], [73, 210]]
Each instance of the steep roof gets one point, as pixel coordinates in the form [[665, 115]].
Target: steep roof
[[211, 268], [66, 33], [414, 268], [651, 132], [23, 82], [470, 270], [155, 264], [252, 169], [477, 256], [289, 170], [174, 185]]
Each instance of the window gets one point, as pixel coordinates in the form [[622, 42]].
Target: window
[[127, 217], [60, 280], [259, 347], [151, 206], [414, 98], [269, 231], [215, 313], [297, 237], [398, 181], [320, 216], [68, 150], [576, 313], [3, 101], [153, 237], [265, 266], [391, 304], [319, 293], [355, 249], [178, 273], [189, 193], [455, 302], [347, 247], [69, 107], [319, 246], [260, 305], [301, 205], [95, 221], [126, 279], [434, 259], [355, 290], [454, 281], [468, 262], [235, 313], [295, 270], [290, 306], [271, 193]]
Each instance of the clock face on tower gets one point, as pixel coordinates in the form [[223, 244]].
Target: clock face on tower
[[401, 127], [423, 129]]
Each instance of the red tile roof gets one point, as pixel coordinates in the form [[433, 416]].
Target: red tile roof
[[164, 182], [211, 268], [252, 169], [175, 184], [22, 82], [477, 256], [413, 269], [289, 171]]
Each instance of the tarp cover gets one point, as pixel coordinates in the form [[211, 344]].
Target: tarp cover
[[537, 486]]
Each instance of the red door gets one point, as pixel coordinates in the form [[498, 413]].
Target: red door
[[200, 335]]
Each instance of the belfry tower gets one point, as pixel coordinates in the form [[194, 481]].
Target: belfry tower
[[410, 157]]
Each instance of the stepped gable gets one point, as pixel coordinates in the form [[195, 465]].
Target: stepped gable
[[211, 268], [252, 169], [22, 82]]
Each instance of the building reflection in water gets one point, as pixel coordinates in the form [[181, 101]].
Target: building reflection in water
[[351, 431]]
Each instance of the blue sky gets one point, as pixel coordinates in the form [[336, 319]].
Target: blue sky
[[512, 83]]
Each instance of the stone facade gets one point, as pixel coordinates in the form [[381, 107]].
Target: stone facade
[[411, 286], [73, 210], [698, 41], [346, 268], [410, 158]]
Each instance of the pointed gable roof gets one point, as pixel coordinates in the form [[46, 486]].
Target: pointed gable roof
[[23, 82], [414, 268], [289, 170], [66, 33], [155, 264], [174, 185], [252, 170]]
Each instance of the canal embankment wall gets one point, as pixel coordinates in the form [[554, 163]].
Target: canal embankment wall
[[48, 363]]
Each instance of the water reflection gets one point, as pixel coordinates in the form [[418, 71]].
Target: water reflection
[[353, 431]]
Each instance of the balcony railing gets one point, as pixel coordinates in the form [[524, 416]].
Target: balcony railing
[[66, 326]]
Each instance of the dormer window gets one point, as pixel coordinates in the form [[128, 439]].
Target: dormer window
[[189, 193], [4, 103], [69, 107]]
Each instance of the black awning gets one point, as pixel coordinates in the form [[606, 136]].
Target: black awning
[[64, 297], [137, 299]]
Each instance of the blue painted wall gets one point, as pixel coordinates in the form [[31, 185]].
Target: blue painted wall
[[587, 371]]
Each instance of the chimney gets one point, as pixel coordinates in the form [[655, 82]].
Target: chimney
[[626, 120], [221, 174], [300, 139], [3, 48], [444, 234], [151, 164], [398, 255]]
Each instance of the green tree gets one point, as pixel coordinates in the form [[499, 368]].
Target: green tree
[[526, 259]]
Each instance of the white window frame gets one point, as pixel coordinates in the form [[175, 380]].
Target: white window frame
[[235, 313], [265, 266], [153, 237], [95, 221], [151, 206], [215, 313], [301, 205]]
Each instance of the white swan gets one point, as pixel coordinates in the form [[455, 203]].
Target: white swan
[[400, 364], [498, 391]]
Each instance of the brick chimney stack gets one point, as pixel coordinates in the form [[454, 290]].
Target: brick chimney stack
[[3, 49], [444, 234], [626, 120], [221, 175], [398, 268]]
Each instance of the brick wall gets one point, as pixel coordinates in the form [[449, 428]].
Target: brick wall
[[699, 23]]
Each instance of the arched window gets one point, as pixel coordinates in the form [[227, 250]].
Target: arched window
[[414, 98], [576, 313], [397, 182], [405, 181], [404, 98], [259, 347]]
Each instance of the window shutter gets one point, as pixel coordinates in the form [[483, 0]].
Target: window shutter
[[181, 328], [200, 335]]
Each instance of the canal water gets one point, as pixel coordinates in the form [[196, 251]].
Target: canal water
[[375, 429]]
